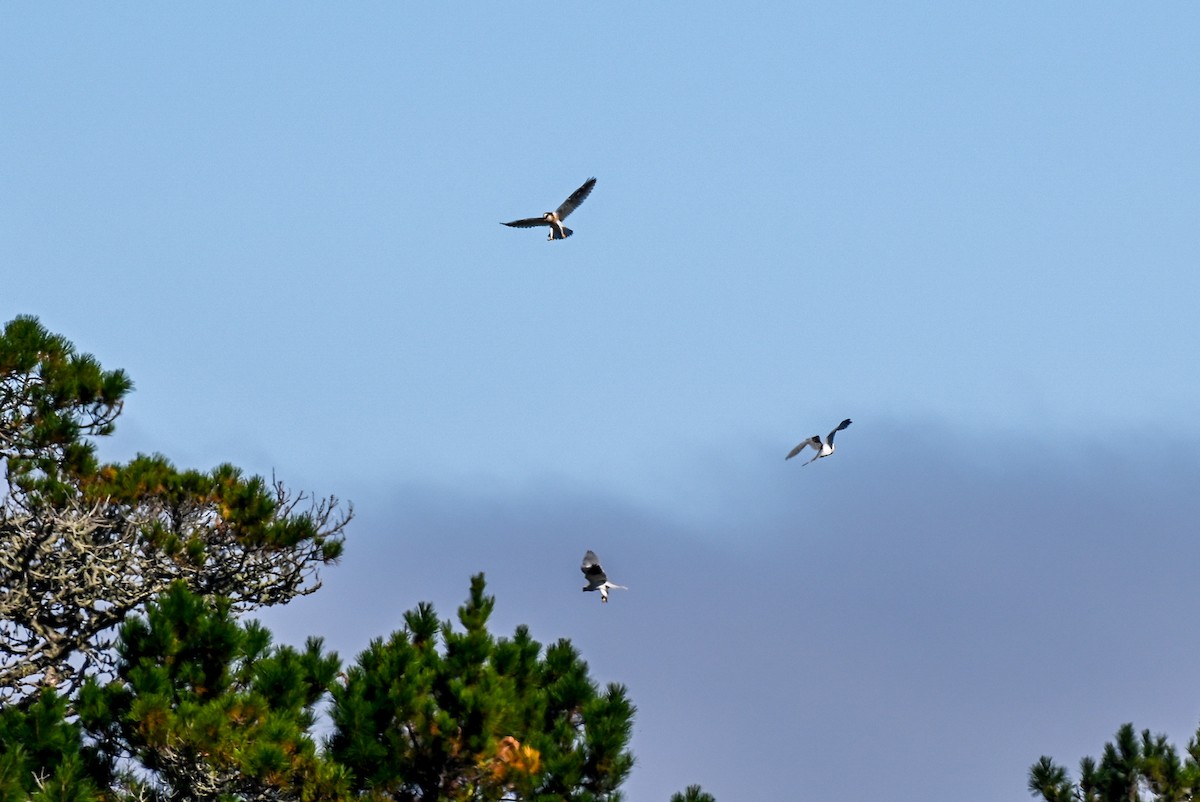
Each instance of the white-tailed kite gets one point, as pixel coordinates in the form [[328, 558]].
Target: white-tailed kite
[[554, 219], [595, 576], [823, 449]]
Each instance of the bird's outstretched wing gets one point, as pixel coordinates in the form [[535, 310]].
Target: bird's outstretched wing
[[813, 441], [528, 222], [840, 426], [591, 568], [577, 197]]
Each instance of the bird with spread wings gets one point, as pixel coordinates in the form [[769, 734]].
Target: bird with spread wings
[[554, 219], [823, 449], [597, 580]]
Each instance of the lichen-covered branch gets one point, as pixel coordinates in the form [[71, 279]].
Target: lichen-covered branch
[[69, 573], [82, 545]]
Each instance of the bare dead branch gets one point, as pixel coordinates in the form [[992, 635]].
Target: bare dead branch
[[70, 574]]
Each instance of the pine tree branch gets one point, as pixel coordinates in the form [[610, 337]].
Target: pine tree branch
[[70, 573]]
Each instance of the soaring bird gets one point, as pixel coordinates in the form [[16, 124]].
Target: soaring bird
[[596, 577], [823, 449], [554, 219]]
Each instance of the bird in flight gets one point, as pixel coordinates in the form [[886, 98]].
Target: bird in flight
[[823, 448], [595, 576], [554, 219]]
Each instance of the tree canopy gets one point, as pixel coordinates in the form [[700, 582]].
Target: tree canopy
[[127, 670], [82, 545], [434, 713], [1131, 768]]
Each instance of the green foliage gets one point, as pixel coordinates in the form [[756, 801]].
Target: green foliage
[[207, 707], [693, 794], [435, 713], [193, 510], [1130, 769], [43, 757], [210, 707], [51, 398], [184, 702], [82, 546]]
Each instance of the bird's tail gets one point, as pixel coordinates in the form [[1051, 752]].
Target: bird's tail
[[566, 233]]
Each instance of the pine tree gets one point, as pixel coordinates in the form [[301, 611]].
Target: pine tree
[[126, 673], [50, 399], [42, 755], [208, 709], [436, 713], [83, 545], [1130, 769]]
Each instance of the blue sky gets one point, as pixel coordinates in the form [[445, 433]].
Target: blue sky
[[973, 230]]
